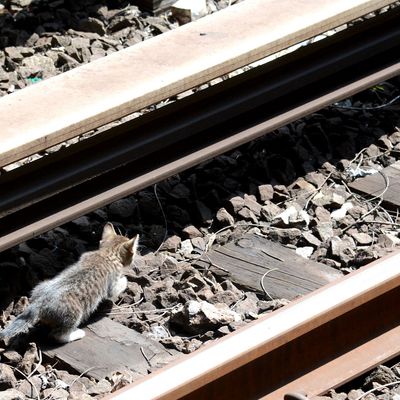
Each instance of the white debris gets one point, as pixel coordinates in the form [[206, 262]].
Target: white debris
[[285, 215], [359, 172], [158, 332], [305, 251], [189, 10], [219, 313], [342, 211], [186, 247], [293, 216]]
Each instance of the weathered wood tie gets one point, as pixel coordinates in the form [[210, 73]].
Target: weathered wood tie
[[250, 257], [384, 184]]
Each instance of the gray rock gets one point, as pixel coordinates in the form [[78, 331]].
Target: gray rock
[[384, 142], [266, 192], [172, 243], [343, 249], [224, 218], [92, 25], [381, 375], [186, 248], [224, 330], [201, 316], [357, 211], [311, 239], [271, 305], [394, 138], [191, 232], [80, 43], [21, 3], [60, 41], [101, 387], [176, 342], [7, 378], [251, 203], [30, 389], [119, 23], [3, 75], [315, 178], [373, 151], [228, 285], [361, 238], [12, 394], [319, 253], [57, 393], [355, 394], [39, 61], [388, 240], [329, 197], [269, 211], [11, 356], [302, 185], [227, 297], [322, 214], [324, 230], [283, 235], [236, 203], [247, 306], [247, 215], [280, 193], [67, 60], [196, 282], [14, 54], [199, 244]]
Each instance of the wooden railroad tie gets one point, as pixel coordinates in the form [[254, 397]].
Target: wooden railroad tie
[[375, 185], [250, 258], [108, 347]]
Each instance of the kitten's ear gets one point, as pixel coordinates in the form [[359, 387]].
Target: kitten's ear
[[108, 232], [132, 244]]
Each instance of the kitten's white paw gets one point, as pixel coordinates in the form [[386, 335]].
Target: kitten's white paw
[[75, 335], [71, 336], [121, 285]]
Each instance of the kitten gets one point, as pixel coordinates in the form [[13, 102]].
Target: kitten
[[68, 300]]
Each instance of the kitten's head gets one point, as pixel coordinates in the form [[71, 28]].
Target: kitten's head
[[121, 246]]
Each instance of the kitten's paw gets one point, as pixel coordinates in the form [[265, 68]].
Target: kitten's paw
[[77, 334], [70, 336], [120, 286]]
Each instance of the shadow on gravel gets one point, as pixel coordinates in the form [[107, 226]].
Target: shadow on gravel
[[25, 20]]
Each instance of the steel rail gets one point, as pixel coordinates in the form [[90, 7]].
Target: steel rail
[[60, 187], [126, 81], [314, 344]]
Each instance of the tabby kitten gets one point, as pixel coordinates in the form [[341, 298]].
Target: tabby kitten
[[66, 301]]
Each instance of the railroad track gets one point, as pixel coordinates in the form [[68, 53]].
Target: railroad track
[[85, 176], [316, 343], [287, 345]]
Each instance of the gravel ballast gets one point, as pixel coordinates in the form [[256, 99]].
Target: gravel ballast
[[290, 186]]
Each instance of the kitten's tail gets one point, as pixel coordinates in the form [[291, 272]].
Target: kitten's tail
[[22, 323]]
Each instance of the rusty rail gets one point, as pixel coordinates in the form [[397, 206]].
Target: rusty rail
[[316, 343], [88, 175]]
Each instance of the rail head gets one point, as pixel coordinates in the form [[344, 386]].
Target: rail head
[[92, 95], [267, 334]]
